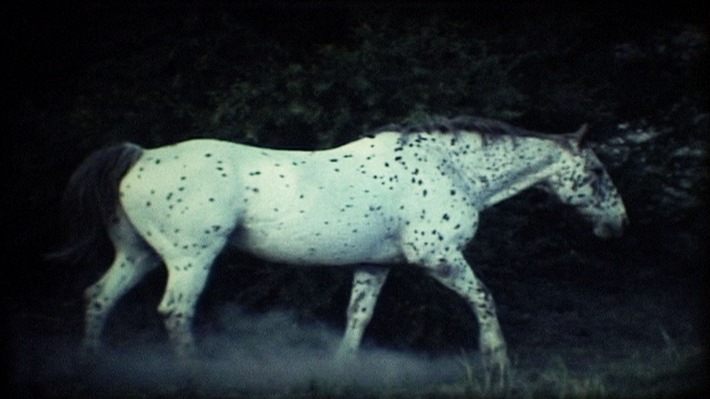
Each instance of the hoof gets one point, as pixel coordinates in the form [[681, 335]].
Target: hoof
[[345, 355], [496, 367]]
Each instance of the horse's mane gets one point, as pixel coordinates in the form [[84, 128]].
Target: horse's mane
[[490, 129], [457, 125]]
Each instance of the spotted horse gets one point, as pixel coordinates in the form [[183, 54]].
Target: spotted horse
[[401, 194]]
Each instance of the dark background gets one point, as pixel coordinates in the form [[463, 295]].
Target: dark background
[[310, 75]]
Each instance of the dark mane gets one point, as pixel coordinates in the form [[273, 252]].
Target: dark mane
[[460, 124]]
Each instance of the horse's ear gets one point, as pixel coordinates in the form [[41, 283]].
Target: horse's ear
[[575, 138]]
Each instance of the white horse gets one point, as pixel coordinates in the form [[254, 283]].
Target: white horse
[[404, 194]]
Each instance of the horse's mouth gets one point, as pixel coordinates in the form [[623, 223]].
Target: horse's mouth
[[613, 229]]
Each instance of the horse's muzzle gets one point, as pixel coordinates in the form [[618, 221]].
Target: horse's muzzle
[[611, 229]]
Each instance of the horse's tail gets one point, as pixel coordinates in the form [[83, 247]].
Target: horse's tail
[[91, 198]]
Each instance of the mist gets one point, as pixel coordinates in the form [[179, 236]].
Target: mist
[[271, 353]]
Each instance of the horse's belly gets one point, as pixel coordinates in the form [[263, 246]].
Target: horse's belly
[[325, 247]]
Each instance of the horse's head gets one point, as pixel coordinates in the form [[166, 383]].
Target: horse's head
[[583, 182]]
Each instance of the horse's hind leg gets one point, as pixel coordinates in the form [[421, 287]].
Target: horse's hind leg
[[367, 283], [187, 276], [132, 261]]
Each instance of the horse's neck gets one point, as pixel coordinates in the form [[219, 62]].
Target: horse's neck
[[504, 167]]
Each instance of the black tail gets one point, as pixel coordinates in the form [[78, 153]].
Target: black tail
[[91, 198]]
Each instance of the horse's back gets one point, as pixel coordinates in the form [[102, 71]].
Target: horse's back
[[292, 206], [321, 207]]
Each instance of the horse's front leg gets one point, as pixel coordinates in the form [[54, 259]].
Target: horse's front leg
[[454, 272], [367, 283]]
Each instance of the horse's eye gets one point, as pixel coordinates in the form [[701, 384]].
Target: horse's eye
[[598, 171]]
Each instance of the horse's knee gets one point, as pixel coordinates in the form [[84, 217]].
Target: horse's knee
[[92, 292], [366, 289], [360, 307]]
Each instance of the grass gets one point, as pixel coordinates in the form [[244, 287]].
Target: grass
[[675, 371], [638, 373]]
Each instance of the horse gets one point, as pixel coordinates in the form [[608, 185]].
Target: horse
[[401, 194]]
